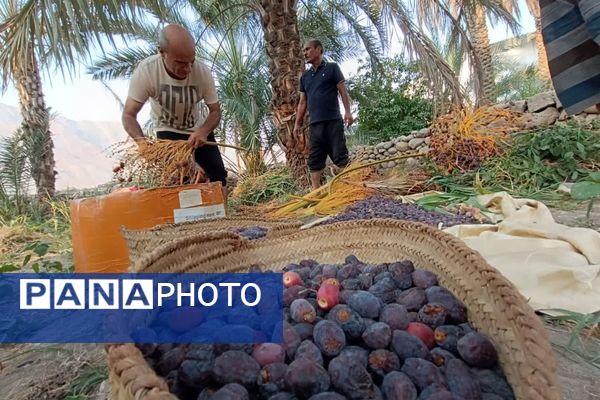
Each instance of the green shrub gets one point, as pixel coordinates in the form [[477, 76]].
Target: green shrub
[[545, 158], [272, 185], [33, 256], [391, 100]]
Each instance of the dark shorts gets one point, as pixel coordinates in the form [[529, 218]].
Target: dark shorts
[[207, 156], [327, 139]]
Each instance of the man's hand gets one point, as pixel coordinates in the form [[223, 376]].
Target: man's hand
[[348, 119], [197, 139], [141, 142], [296, 131]]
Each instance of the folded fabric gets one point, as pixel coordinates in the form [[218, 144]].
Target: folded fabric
[[553, 265]]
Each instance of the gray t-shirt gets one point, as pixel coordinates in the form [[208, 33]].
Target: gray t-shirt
[[174, 103]]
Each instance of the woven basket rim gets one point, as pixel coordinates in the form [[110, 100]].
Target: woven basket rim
[[217, 221], [142, 243], [534, 374]]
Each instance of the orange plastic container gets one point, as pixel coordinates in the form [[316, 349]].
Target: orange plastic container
[[96, 222]]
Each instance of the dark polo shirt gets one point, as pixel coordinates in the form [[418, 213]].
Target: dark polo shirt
[[321, 91]]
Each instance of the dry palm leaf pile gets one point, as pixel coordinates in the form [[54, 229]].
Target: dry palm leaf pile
[[330, 198], [463, 139], [356, 182], [402, 182]]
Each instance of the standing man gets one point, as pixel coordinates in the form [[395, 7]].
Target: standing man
[[319, 87], [175, 83]]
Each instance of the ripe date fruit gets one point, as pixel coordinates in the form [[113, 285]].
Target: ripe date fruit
[[350, 331]]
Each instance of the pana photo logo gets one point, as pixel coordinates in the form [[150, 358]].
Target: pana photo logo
[[141, 308], [128, 294]]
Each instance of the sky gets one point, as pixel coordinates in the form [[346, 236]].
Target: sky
[[84, 99]]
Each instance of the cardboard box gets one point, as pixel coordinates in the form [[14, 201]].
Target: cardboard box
[[96, 222]]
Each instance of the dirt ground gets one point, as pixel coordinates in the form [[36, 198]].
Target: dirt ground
[[577, 380], [577, 217], [43, 372]]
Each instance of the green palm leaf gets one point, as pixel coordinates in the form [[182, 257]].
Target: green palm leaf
[[15, 170], [119, 64], [58, 33]]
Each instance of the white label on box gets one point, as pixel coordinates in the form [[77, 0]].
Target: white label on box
[[196, 213], [190, 198]]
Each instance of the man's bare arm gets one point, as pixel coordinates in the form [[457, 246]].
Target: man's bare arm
[[129, 119], [200, 134], [346, 101], [300, 111]]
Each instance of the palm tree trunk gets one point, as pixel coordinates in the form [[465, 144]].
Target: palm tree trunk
[[481, 44], [35, 125], [543, 69], [282, 39]]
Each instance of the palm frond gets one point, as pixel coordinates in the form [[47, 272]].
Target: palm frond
[[433, 14], [372, 46], [59, 32], [373, 11], [119, 64], [419, 45], [319, 23], [171, 11], [15, 169], [345, 28], [505, 11], [225, 15], [243, 88]]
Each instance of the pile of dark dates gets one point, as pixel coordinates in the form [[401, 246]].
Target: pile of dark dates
[[251, 232], [351, 331], [383, 207]]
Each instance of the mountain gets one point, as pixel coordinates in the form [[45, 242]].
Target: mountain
[[81, 148]]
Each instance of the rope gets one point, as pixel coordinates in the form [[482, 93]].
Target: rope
[[231, 146]]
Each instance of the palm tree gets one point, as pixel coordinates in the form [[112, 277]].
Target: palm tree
[[38, 34], [24, 69], [282, 38], [244, 93], [479, 35], [15, 175], [282, 41], [464, 26]]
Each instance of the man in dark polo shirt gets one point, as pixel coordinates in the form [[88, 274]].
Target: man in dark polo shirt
[[319, 87]]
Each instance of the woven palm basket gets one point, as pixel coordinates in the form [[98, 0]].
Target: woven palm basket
[[141, 242], [495, 307]]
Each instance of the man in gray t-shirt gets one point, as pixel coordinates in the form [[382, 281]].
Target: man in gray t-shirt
[[174, 83]]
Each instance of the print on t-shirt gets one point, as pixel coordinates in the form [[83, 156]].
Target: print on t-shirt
[[178, 106]]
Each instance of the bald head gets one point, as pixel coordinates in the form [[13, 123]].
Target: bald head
[[176, 38], [177, 49]]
